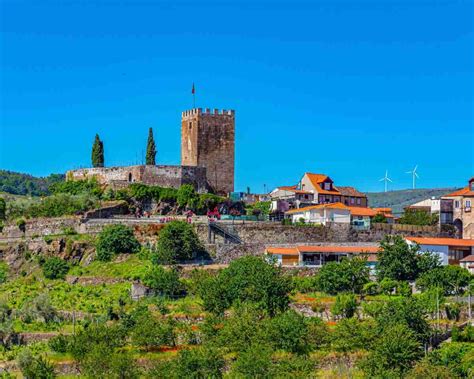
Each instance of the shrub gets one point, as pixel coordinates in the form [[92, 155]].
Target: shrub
[[250, 279], [3, 208], [35, 367], [371, 288], [200, 363], [451, 279], [21, 223], [177, 242], [187, 196], [151, 332], [55, 268], [116, 239], [3, 272], [288, 331], [394, 353], [77, 187], [164, 282], [346, 276], [345, 305], [59, 343]]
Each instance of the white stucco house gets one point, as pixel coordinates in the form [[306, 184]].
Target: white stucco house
[[321, 214], [450, 250]]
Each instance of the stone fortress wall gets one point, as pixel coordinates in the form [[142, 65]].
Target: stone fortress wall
[[156, 175]]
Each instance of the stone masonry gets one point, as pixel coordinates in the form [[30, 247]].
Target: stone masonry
[[207, 140], [159, 175]]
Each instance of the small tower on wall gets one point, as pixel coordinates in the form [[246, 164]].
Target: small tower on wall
[[208, 140]]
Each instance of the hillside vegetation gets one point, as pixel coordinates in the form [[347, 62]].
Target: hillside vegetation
[[400, 199], [23, 184]]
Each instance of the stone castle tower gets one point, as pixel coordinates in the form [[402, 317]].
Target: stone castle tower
[[207, 140]]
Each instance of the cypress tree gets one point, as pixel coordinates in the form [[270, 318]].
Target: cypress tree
[[97, 152], [150, 149]]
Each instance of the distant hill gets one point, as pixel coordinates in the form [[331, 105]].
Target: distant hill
[[23, 184], [400, 199]]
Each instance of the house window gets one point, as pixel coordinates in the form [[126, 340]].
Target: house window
[[456, 204], [352, 200], [306, 196], [358, 201], [190, 125], [130, 177], [468, 203], [327, 186]]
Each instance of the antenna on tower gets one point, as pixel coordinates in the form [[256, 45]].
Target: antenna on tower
[[386, 179], [414, 175]]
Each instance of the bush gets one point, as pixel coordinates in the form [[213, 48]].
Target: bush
[[59, 343], [116, 239], [77, 187], [346, 276], [3, 208], [177, 242], [55, 268], [345, 305], [394, 353], [3, 272], [151, 332], [288, 331], [371, 288], [200, 363], [250, 279], [35, 367], [164, 282], [451, 279], [21, 223]]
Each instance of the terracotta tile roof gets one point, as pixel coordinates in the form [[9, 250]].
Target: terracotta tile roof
[[442, 241], [350, 191], [282, 250], [338, 249], [319, 206], [383, 210], [462, 192], [366, 250], [469, 258], [360, 211], [316, 180]]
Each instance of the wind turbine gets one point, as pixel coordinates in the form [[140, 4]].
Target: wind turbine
[[414, 175], [386, 179]]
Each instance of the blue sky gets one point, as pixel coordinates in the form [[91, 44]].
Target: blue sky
[[346, 88]]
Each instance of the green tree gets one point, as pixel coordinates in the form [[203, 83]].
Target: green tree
[[419, 217], [351, 334], [249, 278], [397, 260], [202, 362], [55, 268], [164, 282], [3, 208], [97, 152], [379, 218], [288, 331], [178, 242], [35, 367], [345, 305], [393, 353], [151, 332], [116, 239], [187, 196], [350, 275], [255, 362], [451, 279], [150, 148]]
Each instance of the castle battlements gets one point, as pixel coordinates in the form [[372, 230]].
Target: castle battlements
[[207, 112]]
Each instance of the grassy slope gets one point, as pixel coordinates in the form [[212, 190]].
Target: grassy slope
[[400, 199]]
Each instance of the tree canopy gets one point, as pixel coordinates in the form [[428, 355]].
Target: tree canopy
[[97, 152], [150, 148]]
